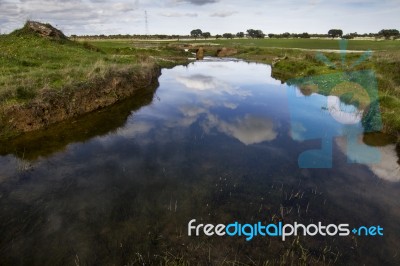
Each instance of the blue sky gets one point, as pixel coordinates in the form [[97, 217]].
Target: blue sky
[[215, 16]]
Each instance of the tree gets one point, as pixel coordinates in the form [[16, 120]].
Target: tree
[[255, 33], [175, 37], [227, 35], [335, 33], [218, 36], [206, 35], [196, 33], [350, 35], [240, 34], [161, 36], [304, 35], [388, 33]]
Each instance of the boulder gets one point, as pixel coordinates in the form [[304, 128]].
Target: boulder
[[45, 30], [226, 52], [200, 54], [278, 59]]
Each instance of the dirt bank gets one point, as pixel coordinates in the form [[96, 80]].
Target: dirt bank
[[52, 106]]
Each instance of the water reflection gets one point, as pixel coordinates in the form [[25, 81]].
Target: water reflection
[[214, 85], [45, 142], [388, 166], [248, 129], [217, 145], [343, 113]]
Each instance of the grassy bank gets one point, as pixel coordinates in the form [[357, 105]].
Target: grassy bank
[[45, 80], [30, 63], [289, 64], [305, 43]]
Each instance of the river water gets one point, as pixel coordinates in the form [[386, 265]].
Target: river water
[[219, 142]]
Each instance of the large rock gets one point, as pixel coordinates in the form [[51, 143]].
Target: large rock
[[200, 53], [278, 59], [226, 52], [45, 30]]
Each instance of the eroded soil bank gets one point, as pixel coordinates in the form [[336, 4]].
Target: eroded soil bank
[[54, 106]]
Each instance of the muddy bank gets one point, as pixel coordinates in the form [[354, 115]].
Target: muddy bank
[[52, 106], [55, 138]]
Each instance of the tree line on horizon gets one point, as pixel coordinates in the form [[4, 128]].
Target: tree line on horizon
[[251, 33]]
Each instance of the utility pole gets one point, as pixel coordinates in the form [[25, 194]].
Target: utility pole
[[146, 22]]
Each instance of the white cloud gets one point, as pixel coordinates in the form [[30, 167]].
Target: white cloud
[[230, 105], [249, 129], [386, 167], [197, 2], [297, 131], [223, 14], [134, 129], [201, 82], [124, 16], [198, 82], [192, 111], [177, 14], [343, 113]]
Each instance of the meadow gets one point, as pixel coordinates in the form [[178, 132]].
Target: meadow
[[307, 43], [42, 79]]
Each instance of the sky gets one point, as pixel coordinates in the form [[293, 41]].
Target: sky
[[216, 16]]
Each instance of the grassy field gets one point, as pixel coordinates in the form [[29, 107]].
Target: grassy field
[[30, 63], [307, 43], [332, 44], [41, 76]]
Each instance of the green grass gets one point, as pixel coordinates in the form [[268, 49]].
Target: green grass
[[29, 63], [316, 44], [298, 43], [164, 53]]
